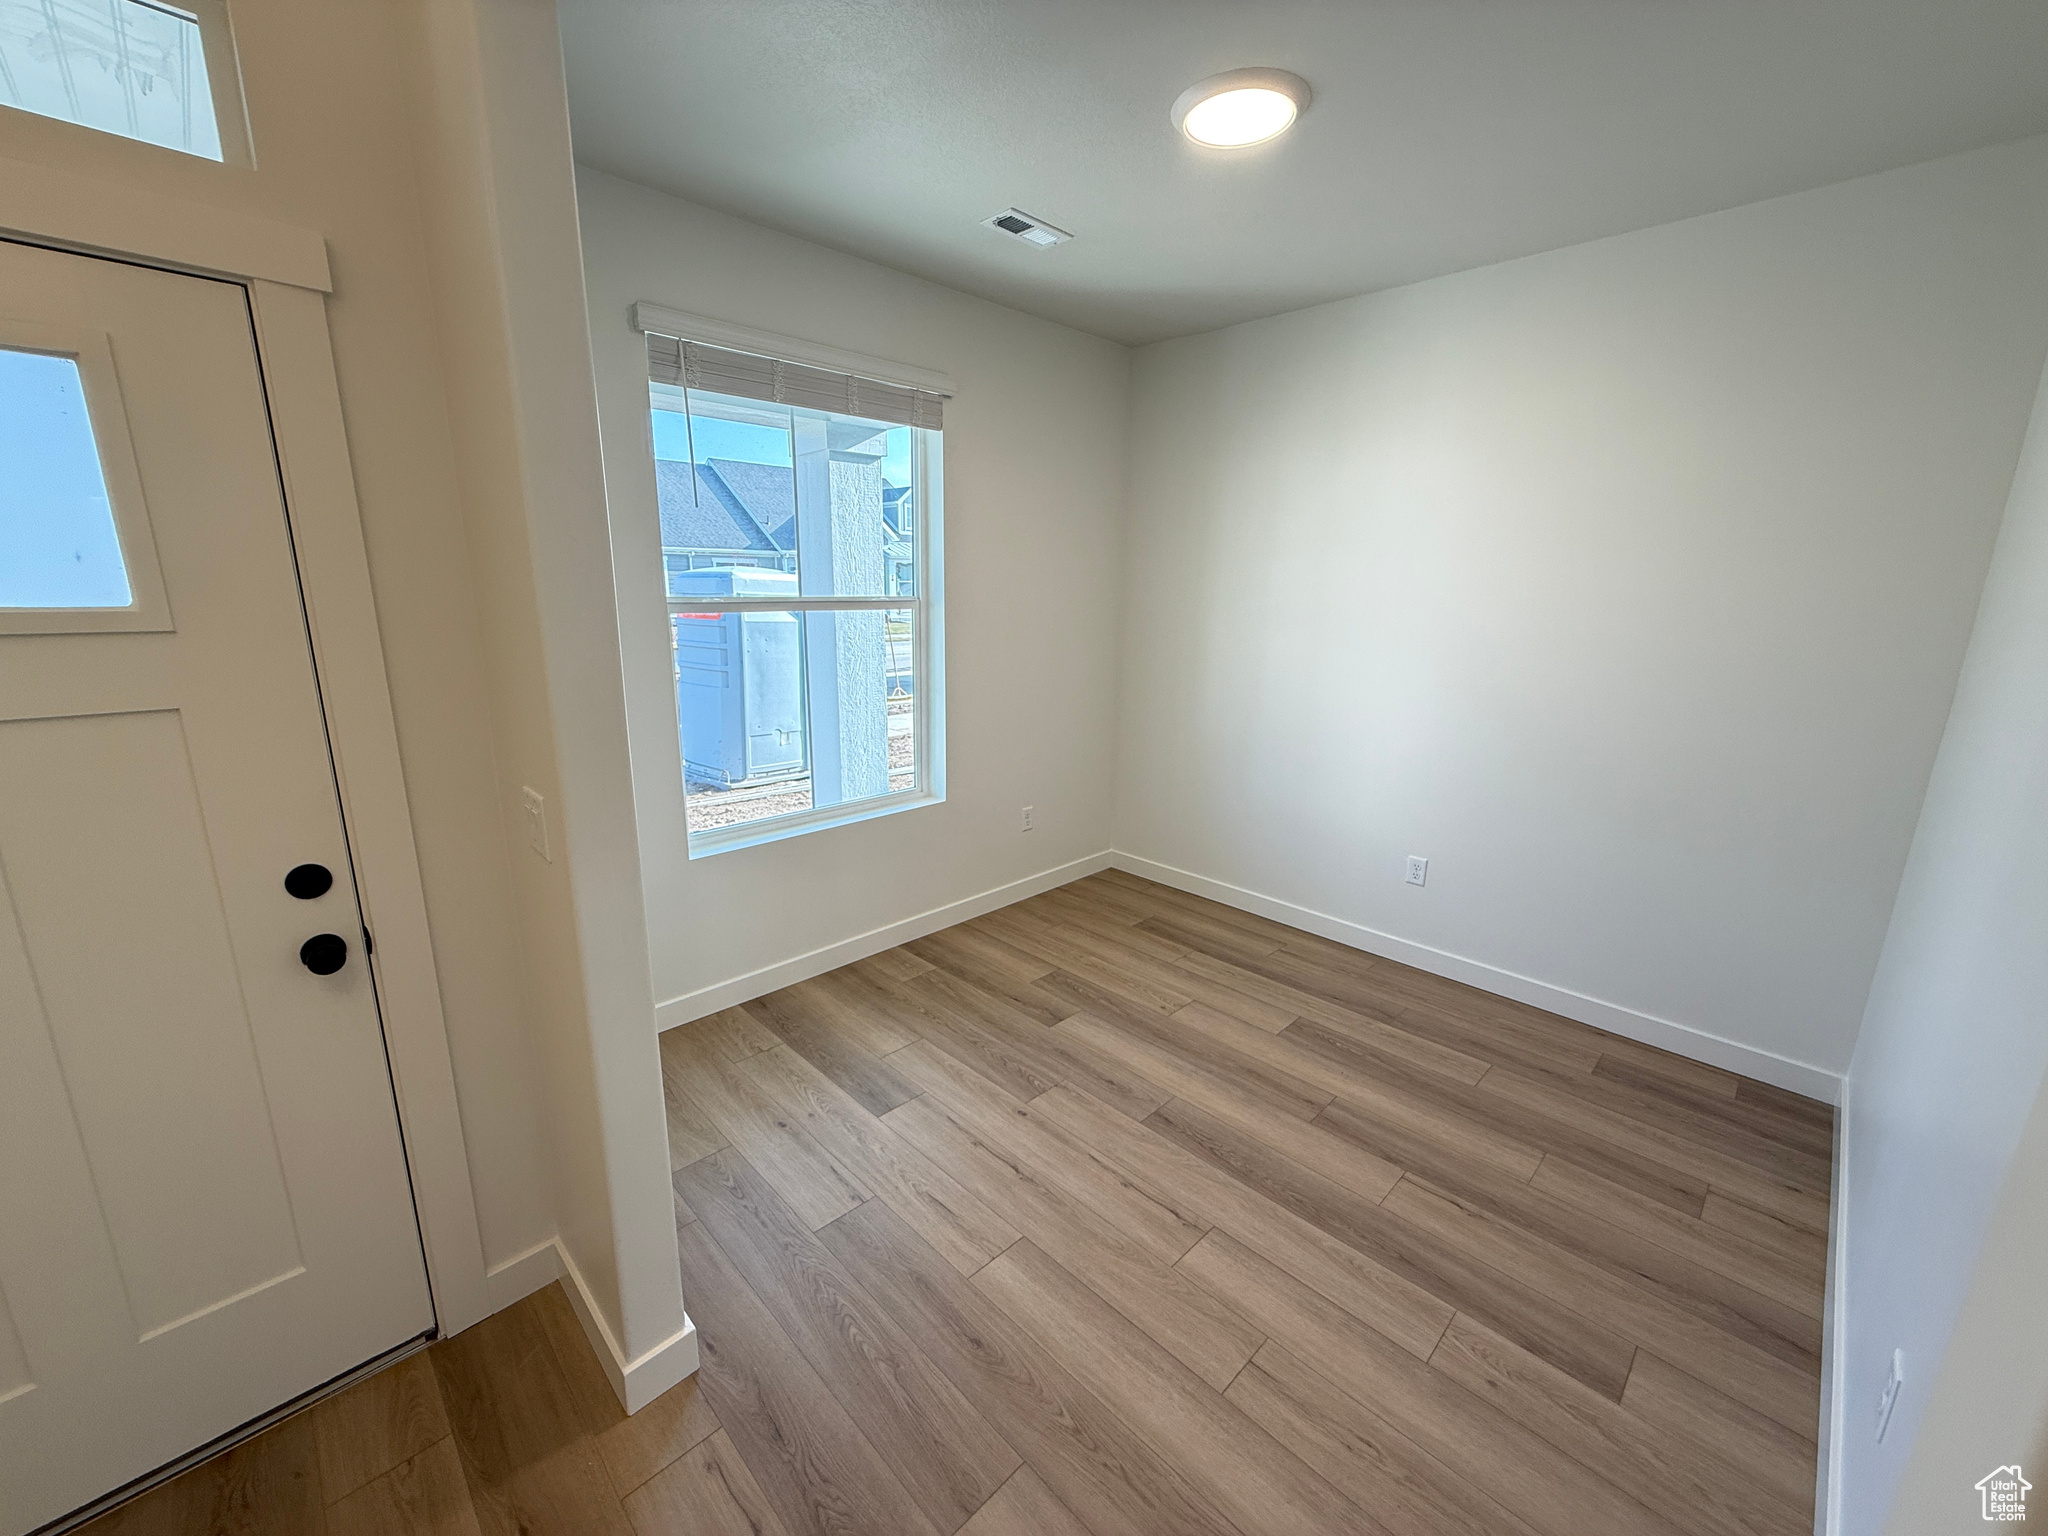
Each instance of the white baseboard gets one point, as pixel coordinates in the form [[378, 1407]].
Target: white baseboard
[[520, 1276], [638, 1382], [1834, 1360], [1696, 1044], [740, 989], [1747, 1060], [641, 1380]]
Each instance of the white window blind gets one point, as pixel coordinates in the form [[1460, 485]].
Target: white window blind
[[722, 371]]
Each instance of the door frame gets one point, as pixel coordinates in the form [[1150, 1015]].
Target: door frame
[[284, 270]]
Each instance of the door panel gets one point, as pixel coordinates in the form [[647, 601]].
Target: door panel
[[171, 1109], [204, 1209]]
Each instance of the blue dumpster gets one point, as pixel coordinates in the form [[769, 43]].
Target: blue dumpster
[[739, 680]]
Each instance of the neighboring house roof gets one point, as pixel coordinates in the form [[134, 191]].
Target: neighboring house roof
[[712, 519], [767, 494], [897, 549], [738, 507]]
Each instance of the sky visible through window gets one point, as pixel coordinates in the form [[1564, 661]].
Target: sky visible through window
[[58, 545], [718, 439], [122, 66]]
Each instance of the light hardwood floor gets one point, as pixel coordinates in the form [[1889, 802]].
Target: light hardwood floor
[[1121, 1212]]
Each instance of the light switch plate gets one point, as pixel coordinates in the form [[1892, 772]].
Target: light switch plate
[[535, 805], [1889, 1398]]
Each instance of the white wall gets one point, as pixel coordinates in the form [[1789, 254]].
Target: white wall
[[1033, 485], [502, 243], [1947, 1069], [1626, 583], [1989, 1403]]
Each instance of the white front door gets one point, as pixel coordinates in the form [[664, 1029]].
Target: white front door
[[204, 1207]]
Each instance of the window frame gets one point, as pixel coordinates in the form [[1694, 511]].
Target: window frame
[[925, 603]]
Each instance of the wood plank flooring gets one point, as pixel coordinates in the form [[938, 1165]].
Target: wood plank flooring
[[1121, 1212]]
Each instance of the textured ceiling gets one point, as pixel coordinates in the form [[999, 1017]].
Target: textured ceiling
[[1444, 134]]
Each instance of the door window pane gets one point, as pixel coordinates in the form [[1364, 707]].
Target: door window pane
[[58, 545], [122, 66]]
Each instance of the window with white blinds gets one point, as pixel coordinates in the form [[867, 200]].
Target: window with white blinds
[[749, 376], [799, 514]]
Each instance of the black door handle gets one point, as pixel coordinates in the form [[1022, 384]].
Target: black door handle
[[324, 953], [307, 881]]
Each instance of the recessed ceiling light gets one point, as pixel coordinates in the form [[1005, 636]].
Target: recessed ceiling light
[[1241, 107]]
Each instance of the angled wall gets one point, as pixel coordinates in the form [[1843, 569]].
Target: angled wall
[[1944, 1218], [1988, 1402], [493, 146]]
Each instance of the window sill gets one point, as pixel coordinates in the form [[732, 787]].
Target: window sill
[[775, 829]]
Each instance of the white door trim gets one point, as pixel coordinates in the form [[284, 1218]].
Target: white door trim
[[83, 214], [348, 656], [285, 271]]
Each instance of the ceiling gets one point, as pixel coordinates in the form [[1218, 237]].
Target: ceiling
[[1444, 134]]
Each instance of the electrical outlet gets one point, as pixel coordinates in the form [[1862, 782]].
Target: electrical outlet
[[1027, 818], [1888, 1399], [535, 805], [1418, 870]]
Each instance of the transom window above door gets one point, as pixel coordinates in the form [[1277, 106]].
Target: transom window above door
[[143, 69], [799, 511]]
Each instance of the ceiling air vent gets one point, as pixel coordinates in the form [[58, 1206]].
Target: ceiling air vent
[[1014, 221]]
